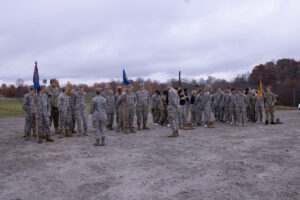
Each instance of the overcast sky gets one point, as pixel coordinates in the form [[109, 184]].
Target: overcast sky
[[91, 40]]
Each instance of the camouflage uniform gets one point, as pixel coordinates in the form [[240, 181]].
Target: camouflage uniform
[[251, 106], [64, 109], [199, 108], [130, 102], [173, 106], [226, 104], [155, 100], [221, 107], [29, 116], [53, 93], [269, 100], [118, 113], [81, 112], [110, 105], [182, 111], [44, 109], [207, 107], [98, 110], [72, 102], [232, 109], [241, 102], [163, 110], [193, 109], [258, 109], [142, 107]]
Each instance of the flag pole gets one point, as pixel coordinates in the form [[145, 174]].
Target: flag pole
[[36, 111], [124, 111]]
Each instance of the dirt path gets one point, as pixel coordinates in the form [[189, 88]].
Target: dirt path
[[228, 162]]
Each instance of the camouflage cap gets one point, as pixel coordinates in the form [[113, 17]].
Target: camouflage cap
[[141, 84], [98, 90]]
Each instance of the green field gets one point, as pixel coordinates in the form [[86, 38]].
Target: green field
[[13, 108]]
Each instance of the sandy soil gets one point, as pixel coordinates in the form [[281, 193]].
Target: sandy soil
[[227, 162]]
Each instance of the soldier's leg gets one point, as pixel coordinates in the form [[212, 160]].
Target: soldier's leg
[[84, 119], [267, 112], [28, 123], [260, 111], [46, 125], [56, 118], [184, 116], [145, 115], [41, 125], [96, 129], [131, 117], [61, 122], [138, 116], [272, 109], [79, 121]]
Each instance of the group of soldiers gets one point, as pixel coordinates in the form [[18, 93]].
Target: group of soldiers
[[171, 108]]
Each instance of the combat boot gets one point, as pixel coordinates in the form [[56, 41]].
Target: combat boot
[[73, 131], [48, 139], [173, 134], [61, 134], [27, 137], [139, 127], [40, 140], [102, 141], [56, 131], [69, 133], [210, 125], [267, 122], [125, 131], [145, 127], [97, 142], [177, 133], [25, 134], [272, 122], [132, 130]]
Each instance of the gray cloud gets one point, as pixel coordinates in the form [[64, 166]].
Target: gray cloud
[[93, 40]]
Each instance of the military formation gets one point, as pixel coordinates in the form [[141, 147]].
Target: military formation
[[173, 107]]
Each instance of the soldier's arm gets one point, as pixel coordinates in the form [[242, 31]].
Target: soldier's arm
[[25, 103], [92, 107]]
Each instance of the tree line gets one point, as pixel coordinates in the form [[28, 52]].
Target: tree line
[[283, 75]]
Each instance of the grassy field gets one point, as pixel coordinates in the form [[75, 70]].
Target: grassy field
[[13, 108]]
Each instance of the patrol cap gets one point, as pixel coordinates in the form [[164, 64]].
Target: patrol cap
[[52, 80], [106, 86], [98, 90], [141, 84], [73, 91], [110, 92]]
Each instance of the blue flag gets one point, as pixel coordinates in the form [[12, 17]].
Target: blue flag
[[36, 78], [125, 79]]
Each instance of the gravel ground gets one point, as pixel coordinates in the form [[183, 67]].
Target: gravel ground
[[227, 162]]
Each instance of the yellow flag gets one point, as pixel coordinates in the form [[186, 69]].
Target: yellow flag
[[260, 90]]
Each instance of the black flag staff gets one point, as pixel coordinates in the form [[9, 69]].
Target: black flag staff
[[179, 78]]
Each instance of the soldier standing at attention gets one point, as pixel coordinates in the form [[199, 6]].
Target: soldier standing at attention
[[207, 105], [142, 107], [28, 108], [44, 112], [226, 103], [258, 109], [72, 102], [173, 106], [98, 111], [81, 112], [269, 100], [251, 105], [130, 101], [199, 107], [241, 102], [110, 109], [164, 109], [63, 105], [53, 92], [118, 93], [232, 107], [155, 100]]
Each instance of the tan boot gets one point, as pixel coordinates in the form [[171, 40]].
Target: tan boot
[[57, 131], [132, 130], [61, 134], [210, 125], [40, 140], [125, 131], [173, 134], [48, 139], [27, 137], [145, 127], [177, 134]]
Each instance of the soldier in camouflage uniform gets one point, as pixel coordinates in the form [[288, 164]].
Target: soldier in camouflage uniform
[[53, 92], [232, 107], [241, 102], [164, 109], [28, 108], [142, 106], [269, 104], [221, 105], [182, 109], [98, 110], [130, 102], [155, 100], [226, 103], [173, 106], [44, 112], [81, 112], [118, 110], [63, 105], [258, 109], [110, 108], [199, 107], [251, 105], [187, 103], [72, 101], [207, 105]]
